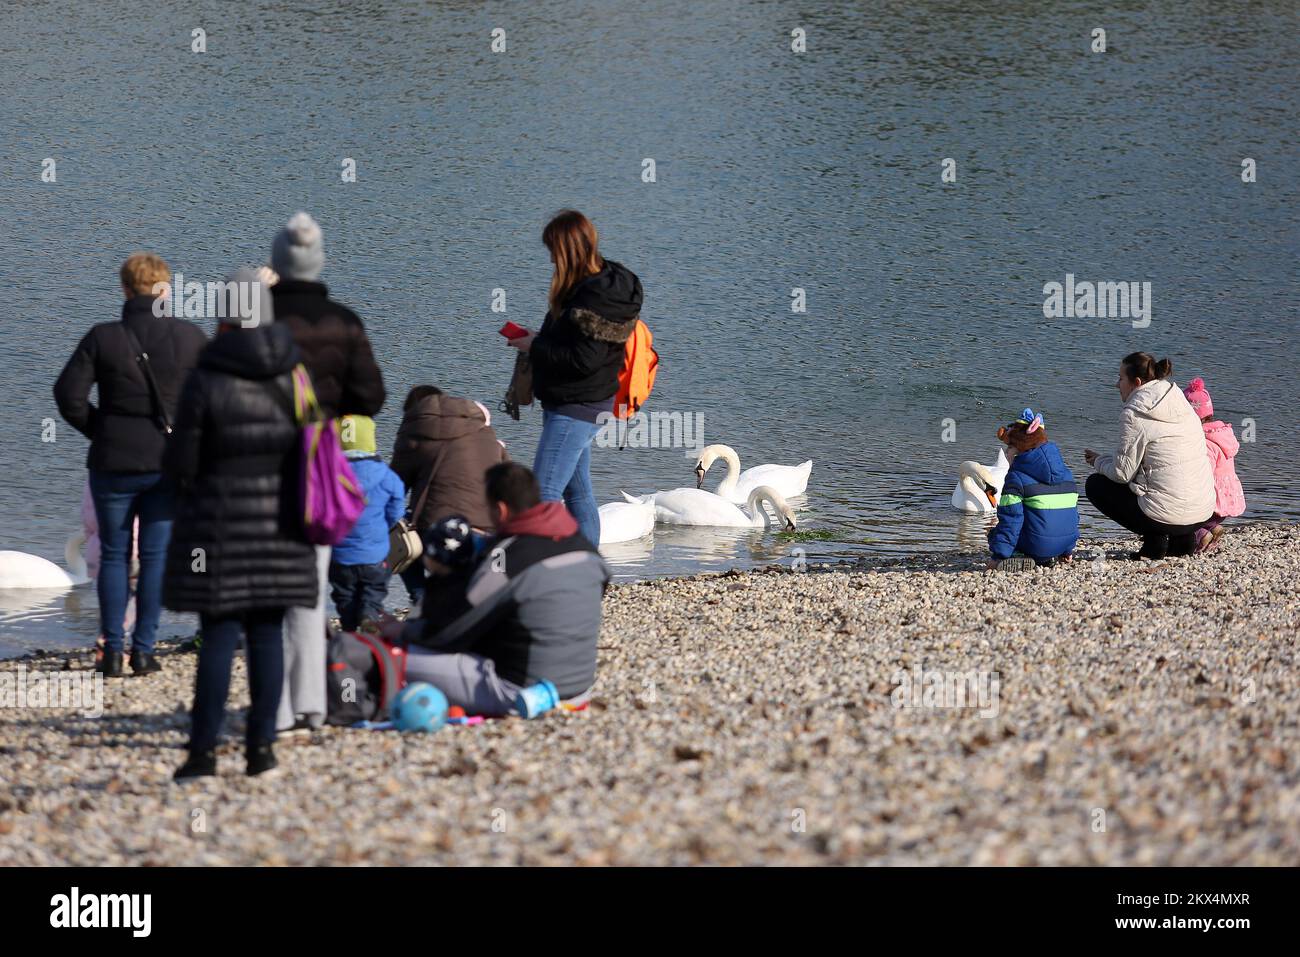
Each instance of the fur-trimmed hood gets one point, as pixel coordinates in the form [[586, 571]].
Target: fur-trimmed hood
[[605, 306]]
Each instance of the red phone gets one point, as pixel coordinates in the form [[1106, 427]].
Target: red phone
[[511, 331]]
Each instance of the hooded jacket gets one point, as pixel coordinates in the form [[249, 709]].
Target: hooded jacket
[[578, 354], [367, 543], [1161, 456], [532, 604], [1221, 443], [447, 443], [1038, 509], [235, 456], [124, 430], [335, 348]]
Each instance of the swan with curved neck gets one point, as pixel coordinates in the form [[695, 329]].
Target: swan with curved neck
[[21, 570], [696, 506], [980, 486], [786, 480]]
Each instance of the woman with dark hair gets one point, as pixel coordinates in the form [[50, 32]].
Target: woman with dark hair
[[576, 359], [1158, 482]]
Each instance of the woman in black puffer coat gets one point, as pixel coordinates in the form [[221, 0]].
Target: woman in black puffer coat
[[237, 554]]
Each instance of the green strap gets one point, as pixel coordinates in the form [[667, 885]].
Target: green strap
[[1053, 500]]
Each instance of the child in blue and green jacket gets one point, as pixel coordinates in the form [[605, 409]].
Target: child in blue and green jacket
[[359, 570], [1038, 510]]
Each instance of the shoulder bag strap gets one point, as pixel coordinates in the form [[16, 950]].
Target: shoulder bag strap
[[428, 483], [142, 358]]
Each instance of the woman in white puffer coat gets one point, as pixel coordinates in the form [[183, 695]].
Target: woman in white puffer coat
[[1158, 483]]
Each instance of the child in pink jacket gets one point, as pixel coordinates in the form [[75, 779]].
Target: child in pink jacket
[[1222, 445]]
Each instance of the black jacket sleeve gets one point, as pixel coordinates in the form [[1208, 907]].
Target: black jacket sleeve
[[560, 353], [363, 384], [185, 444], [72, 388]]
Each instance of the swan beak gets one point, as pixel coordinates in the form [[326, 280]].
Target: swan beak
[[789, 524], [700, 471], [992, 495]]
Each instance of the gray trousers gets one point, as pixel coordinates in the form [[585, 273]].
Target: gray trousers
[[303, 693], [470, 681]]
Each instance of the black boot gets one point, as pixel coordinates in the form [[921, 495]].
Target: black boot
[[110, 664], [200, 764], [260, 757], [144, 664], [1154, 547]]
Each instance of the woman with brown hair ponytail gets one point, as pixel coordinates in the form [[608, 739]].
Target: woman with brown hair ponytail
[[1158, 482], [594, 304]]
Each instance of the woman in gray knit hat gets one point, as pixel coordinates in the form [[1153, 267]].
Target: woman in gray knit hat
[[347, 380]]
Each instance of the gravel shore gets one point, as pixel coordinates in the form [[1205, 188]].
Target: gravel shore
[[1143, 713]]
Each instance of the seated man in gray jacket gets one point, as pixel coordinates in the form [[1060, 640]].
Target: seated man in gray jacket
[[527, 608]]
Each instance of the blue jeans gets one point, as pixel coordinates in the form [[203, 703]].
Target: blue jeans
[[265, 652], [120, 498], [563, 469], [358, 592]]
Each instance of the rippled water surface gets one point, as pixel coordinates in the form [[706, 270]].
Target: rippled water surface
[[819, 171]]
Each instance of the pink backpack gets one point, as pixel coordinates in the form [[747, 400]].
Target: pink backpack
[[331, 497]]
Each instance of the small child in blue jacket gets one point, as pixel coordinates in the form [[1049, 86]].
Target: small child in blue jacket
[[358, 568], [1038, 510]]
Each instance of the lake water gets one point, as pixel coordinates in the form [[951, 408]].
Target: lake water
[[774, 171]]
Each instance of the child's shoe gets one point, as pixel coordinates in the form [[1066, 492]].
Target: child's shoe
[[1017, 563], [1211, 540]]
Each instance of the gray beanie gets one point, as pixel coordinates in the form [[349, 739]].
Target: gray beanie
[[246, 300], [297, 252]]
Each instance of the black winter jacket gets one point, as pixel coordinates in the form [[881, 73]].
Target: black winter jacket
[[335, 348], [235, 456], [577, 356], [123, 428]]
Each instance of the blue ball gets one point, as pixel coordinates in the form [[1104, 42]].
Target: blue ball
[[419, 707]]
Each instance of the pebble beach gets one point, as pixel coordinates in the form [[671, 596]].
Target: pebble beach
[[1140, 713]]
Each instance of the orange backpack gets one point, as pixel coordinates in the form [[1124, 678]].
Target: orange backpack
[[637, 377]]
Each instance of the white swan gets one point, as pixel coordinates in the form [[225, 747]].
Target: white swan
[[695, 506], [736, 486], [980, 486], [21, 570], [625, 521]]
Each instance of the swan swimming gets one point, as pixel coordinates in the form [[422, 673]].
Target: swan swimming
[[980, 486], [625, 521], [21, 570], [736, 486], [696, 506]]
